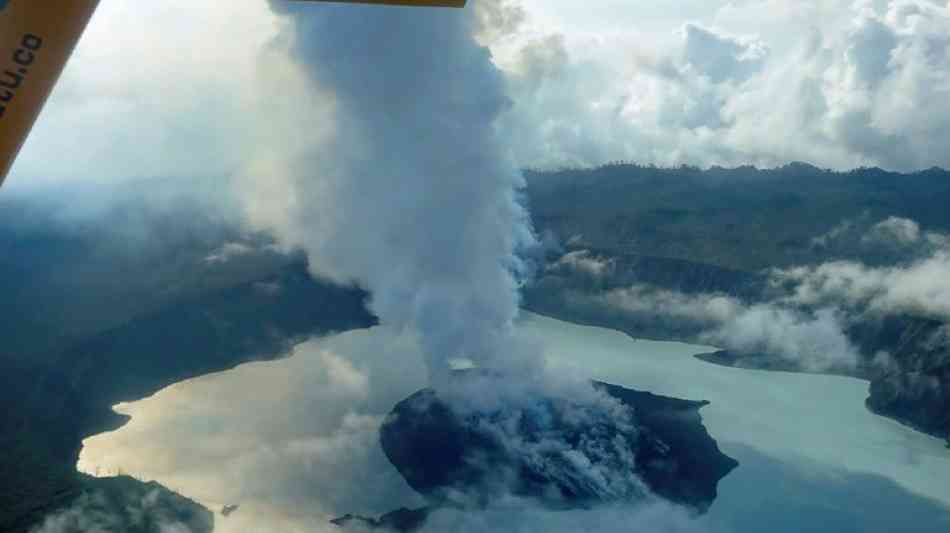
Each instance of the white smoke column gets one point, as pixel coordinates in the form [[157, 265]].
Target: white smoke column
[[413, 194], [403, 182]]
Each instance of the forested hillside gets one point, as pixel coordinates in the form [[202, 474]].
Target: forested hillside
[[795, 268]]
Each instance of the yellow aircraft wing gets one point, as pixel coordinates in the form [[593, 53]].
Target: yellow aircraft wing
[[37, 38], [417, 3]]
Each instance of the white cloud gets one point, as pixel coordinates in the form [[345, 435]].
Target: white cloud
[[393, 173], [920, 288], [228, 251], [702, 308], [585, 262], [153, 90], [95, 512], [833, 235], [895, 230], [722, 57], [810, 307], [814, 341], [832, 83], [892, 241], [176, 89]]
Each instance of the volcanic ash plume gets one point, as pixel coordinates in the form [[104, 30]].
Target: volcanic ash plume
[[391, 172], [413, 193]]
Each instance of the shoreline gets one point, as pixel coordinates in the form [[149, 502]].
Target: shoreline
[[715, 358], [657, 366]]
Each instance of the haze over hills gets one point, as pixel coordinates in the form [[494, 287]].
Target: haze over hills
[[743, 219], [794, 268], [109, 301]]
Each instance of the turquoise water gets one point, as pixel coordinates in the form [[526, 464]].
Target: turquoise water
[[812, 457], [294, 441]]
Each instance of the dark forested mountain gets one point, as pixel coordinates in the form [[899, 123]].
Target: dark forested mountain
[[744, 218], [692, 254], [111, 300]]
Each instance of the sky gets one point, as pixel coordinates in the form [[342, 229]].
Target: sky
[[174, 89]]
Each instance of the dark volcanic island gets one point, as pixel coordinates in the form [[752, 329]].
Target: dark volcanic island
[[630, 446]]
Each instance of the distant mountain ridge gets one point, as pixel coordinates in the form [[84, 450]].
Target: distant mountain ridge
[[698, 233], [717, 216], [109, 303]]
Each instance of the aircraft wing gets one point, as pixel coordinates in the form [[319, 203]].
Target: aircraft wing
[[37, 38], [418, 3]]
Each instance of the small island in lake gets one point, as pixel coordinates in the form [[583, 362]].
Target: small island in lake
[[468, 458]]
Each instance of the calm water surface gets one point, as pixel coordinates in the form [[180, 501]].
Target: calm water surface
[[294, 441]]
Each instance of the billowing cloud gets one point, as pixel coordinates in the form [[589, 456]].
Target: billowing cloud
[[722, 57], [805, 314], [894, 241], [834, 236], [837, 84], [228, 251], [864, 83], [584, 261], [99, 512], [813, 340], [153, 91], [920, 288], [895, 230], [406, 185], [709, 309]]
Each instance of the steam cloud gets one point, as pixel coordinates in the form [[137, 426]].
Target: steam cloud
[[96, 512], [814, 341], [413, 193], [915, 283], [805, 315]]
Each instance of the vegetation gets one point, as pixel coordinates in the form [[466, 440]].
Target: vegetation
[[688, 230], [742, 219], [114, 305]]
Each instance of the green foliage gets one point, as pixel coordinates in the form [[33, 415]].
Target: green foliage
[[716, 231], [743, 218], [115, 304]]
